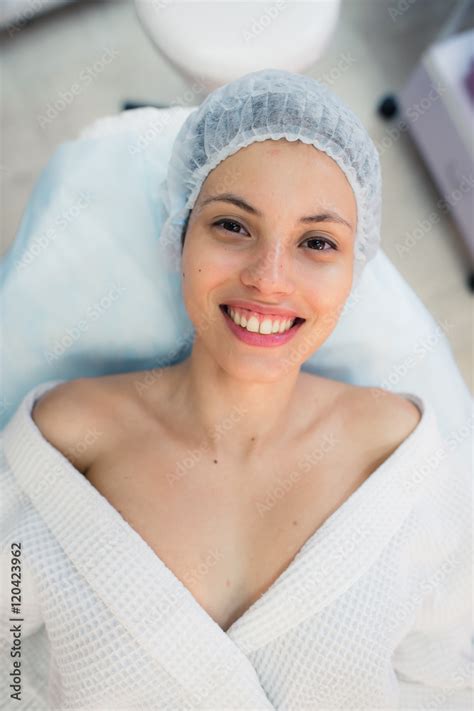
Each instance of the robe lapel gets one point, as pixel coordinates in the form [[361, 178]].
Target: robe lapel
[[144, 595], [347, 544], [210, 664]]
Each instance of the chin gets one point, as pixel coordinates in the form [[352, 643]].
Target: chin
[[253, 368]]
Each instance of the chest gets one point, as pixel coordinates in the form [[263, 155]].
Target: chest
[[226, 533]]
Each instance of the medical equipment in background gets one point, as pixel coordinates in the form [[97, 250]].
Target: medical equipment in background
[[437, 104], [436, 107], [212, 43]]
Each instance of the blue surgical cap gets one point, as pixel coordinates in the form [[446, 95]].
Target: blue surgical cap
[[262, 105]]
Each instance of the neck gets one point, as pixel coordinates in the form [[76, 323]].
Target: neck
[[228, 415]]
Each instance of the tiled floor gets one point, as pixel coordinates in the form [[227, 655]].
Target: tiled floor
[[48, 55]]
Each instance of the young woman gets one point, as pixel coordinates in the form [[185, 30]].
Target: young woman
[[239, 533]]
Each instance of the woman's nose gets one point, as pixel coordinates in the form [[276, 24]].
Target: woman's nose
[[269, 271]]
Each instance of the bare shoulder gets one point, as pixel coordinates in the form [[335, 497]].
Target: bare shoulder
[[390, 409], [373, 406], [384, 420], [85, 417], [378, 420], [80, 417]]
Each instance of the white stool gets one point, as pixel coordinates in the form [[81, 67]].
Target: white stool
[[212, 43]]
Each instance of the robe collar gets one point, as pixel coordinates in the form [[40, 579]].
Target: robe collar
[[154, 605]]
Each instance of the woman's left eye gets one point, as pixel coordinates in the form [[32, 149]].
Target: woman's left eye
[[221, 223], [321, 240]]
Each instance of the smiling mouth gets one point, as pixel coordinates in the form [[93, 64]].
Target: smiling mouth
[[225, 309]]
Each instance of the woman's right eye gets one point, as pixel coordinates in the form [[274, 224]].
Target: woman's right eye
[[221, 223]]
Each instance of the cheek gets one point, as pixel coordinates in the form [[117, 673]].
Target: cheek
[[194, 287], [199, 253], [194, 293], [205, 268], [198, 287], [329, 289]]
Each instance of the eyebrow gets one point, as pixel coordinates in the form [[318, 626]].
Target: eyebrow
[[326, 216]]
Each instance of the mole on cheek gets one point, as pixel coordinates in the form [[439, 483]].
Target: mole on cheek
[[199, 270]]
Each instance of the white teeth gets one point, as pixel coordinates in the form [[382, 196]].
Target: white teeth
[[252, 324], [266, 326]]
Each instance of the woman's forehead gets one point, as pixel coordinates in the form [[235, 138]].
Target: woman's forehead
[[290, 170], [264, 157]]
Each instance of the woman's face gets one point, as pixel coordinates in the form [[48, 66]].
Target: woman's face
[[255, 246]]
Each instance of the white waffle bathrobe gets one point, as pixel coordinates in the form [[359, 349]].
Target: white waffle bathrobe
[[374, 612]]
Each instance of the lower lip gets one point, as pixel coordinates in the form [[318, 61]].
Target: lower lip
[[260, 339]]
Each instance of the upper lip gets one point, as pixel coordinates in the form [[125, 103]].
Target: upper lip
[[266, 309]]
